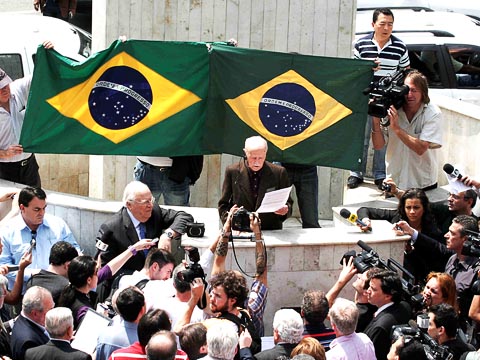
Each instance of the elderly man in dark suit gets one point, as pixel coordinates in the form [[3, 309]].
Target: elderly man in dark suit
[[246, 183], [59, 324], [29, 328], [140, 218]]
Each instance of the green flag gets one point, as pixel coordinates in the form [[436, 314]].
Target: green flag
[[135, 98], [310, 109]]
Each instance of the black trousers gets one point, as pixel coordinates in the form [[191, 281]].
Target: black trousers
[[23, 172]]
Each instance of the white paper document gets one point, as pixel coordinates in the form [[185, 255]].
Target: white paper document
[[274, 200]]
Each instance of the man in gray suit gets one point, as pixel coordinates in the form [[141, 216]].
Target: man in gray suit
[[59, 325]]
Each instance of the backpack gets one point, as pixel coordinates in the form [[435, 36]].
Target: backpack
[[245, 321]]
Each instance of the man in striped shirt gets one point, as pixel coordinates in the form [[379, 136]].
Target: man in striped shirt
[[390, 54]]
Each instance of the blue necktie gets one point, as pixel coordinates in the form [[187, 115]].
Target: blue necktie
[[143, 232]]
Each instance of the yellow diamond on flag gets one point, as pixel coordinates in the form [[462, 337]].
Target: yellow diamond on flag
[[288, 109], [122, 98]]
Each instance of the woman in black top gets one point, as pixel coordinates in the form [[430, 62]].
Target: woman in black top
[[414, 208]]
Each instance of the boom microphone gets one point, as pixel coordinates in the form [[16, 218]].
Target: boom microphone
[[364, 246], [450, 170], [353, 218]]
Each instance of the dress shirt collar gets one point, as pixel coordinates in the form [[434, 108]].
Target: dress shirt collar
[[381, 308], [18, 223], [33, 322], [135, 222]]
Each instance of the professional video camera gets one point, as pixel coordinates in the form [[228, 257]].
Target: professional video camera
[[433, 350], [368, 258], [389, 90], [471, 247]]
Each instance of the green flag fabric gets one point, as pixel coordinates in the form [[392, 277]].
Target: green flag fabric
[[310, 109], [181, 98], [135, 98]]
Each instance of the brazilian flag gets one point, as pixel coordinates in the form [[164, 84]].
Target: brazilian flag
[[134, 98], [310, 109]]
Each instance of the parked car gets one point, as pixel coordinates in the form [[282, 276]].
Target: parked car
[[17, 52], [445, 47], [466, 7]]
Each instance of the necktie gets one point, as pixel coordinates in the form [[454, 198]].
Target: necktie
[[142, 230]]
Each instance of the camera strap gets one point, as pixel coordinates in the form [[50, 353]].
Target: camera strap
[[236, 260]]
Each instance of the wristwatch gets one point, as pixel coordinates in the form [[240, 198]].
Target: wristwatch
[[170, 234]]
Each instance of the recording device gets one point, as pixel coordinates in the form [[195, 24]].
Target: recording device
[[241, 220], [353, 218], [368, 258], [12, 268], [452, 172], [433, 350], [100, 245], [195, 229], [471, 247], [33, 242], [387, 91], [192, 271], [385, 187]]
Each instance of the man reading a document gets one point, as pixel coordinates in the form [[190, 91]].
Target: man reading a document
[[246, 183]]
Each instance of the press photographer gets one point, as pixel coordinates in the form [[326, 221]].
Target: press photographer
[[415, 130], [410, 342], [369, 258], [443, 326]]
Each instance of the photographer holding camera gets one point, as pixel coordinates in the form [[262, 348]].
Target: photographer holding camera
[[442, 327], [415, 129]]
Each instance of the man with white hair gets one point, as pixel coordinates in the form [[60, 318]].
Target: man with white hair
[[348, 345], [246, 183], [139, 218], [29, 328], [287, 333], [59, 325]]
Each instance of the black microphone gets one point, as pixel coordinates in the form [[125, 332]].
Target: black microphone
[[428, 339], [364, 246], [450, 170], [353, 218], [33, 242]]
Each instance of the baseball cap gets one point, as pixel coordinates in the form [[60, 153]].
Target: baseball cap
[[4, 79]]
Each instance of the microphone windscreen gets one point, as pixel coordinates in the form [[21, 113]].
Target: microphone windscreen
[[448, 168], [413, 324], [345, 213], [364, 246]]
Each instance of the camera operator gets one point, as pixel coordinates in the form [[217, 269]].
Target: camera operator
[[415, 130], [442, 327], [409, 349], [390, 54]]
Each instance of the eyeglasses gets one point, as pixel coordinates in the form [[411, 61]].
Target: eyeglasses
[[457, 197], [144, 202]]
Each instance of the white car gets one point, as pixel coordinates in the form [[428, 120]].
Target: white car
[[467, 7], [17, 52], [445, 47]]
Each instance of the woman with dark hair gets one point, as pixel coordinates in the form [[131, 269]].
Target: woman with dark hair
[[414, 208], [84, 276], [78, 295]]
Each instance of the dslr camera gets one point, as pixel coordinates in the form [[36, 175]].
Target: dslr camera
[[471, 247], [389, 90], [241, 220], [192, 270]]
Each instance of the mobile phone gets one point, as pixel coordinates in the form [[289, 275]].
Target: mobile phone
[[12, 267]]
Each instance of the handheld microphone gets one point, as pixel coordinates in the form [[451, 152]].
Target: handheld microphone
[[353, 218], [33, 242], [450, 170]]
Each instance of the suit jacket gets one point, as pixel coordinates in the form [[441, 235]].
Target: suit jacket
[[273, 353], [119, 233], [236, 190], [56, 350], [379, 329], [26, 335]]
